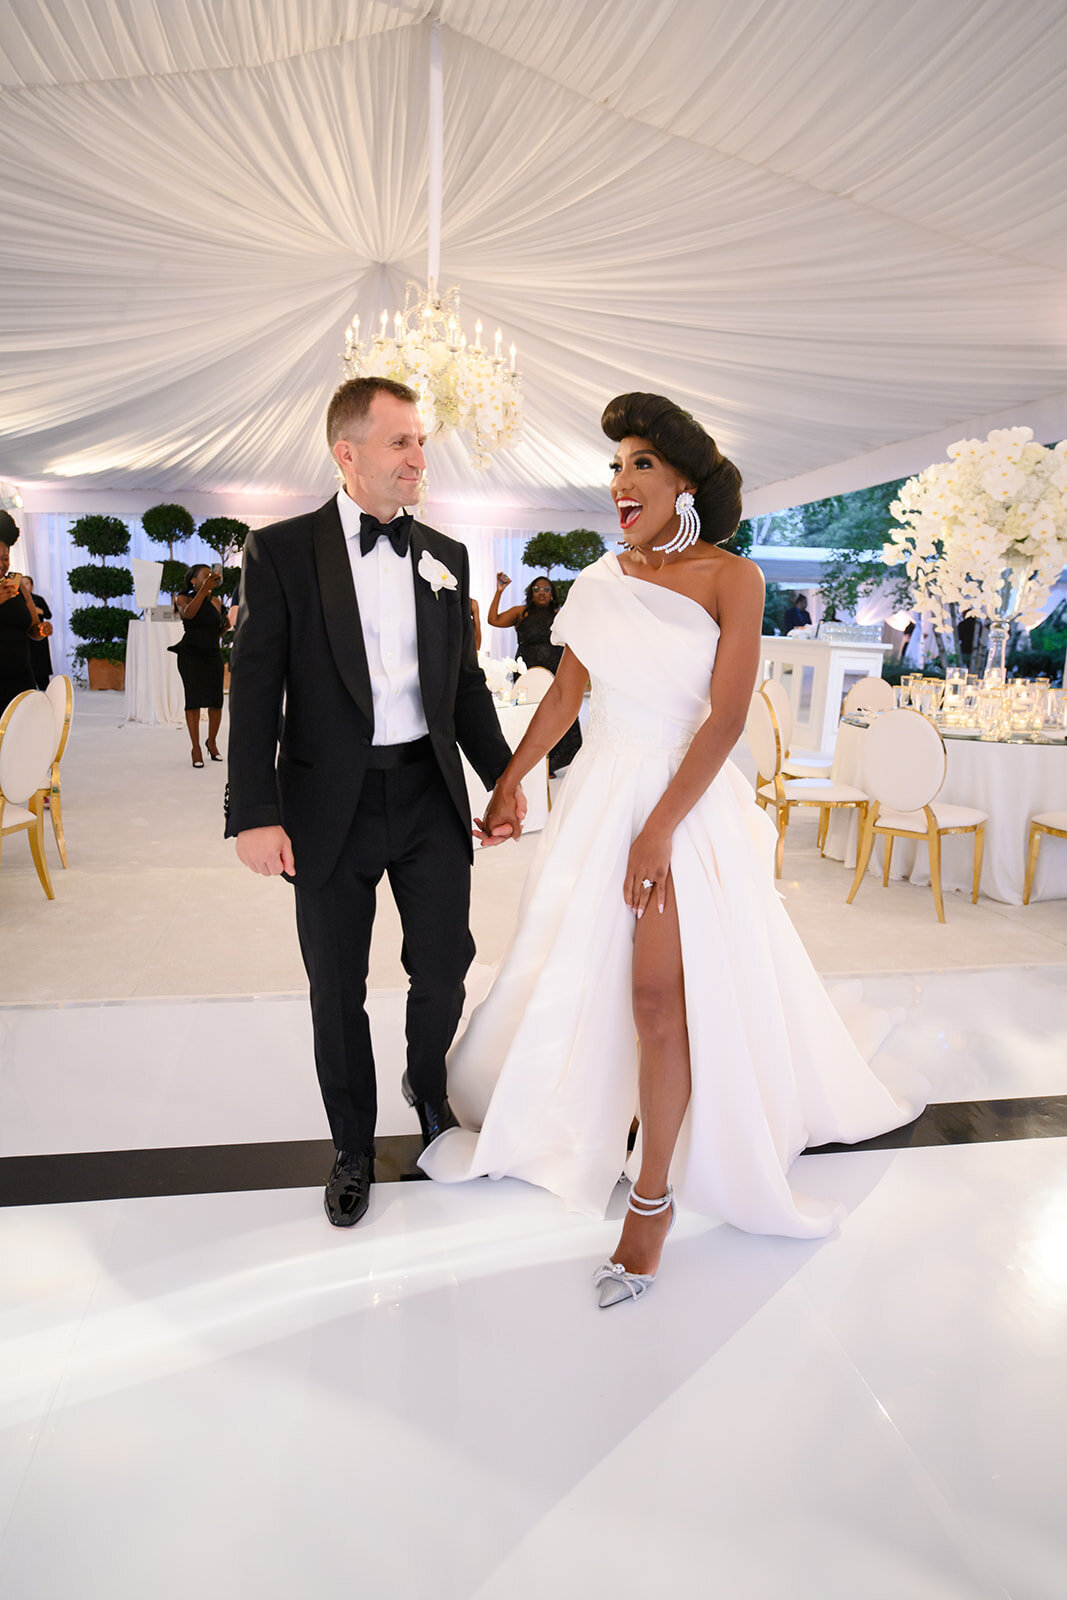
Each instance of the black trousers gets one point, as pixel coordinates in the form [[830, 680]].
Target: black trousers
[[405, 826]]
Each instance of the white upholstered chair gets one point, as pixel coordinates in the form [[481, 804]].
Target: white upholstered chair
[[532, 685], [1045, 822], [904, 765], [60, 692], [795, 763], [765, 742], [27, 745], [869, 694]]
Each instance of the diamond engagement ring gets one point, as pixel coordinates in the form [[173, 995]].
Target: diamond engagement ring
[[648, 883]]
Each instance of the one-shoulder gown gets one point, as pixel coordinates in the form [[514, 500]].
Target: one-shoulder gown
[[544, 1079]]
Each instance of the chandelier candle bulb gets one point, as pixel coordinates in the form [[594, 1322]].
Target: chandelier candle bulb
[[478, 335], [513, 353], [458, 387]]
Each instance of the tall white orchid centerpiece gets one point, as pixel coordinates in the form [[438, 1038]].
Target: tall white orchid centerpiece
[[985, 532]]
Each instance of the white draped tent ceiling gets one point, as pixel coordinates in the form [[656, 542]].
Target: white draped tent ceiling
[[823, 225]]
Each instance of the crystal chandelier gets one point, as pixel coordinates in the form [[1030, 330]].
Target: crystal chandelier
[[460, 386]]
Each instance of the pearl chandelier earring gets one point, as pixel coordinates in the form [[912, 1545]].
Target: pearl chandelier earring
[[688, 526]]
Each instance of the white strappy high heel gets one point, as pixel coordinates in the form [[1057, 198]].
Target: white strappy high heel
[[612, 1279]]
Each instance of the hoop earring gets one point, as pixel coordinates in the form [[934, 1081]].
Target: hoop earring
[[688, 526]]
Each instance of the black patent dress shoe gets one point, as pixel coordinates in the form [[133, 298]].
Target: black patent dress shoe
[[433, 1118], [348, 1187]]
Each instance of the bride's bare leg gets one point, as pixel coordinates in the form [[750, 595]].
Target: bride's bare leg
[[664, 1082]]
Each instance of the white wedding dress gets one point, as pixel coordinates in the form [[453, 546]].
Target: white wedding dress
[[544, 1079]]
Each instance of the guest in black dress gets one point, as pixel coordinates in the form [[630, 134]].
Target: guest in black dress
[[40, 650], [533, 626], [19, 621], [200, 656]]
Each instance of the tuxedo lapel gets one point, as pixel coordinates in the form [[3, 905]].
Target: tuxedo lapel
[[432, 612], [343, 627]]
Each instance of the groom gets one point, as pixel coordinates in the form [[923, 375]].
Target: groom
[[356, 620]]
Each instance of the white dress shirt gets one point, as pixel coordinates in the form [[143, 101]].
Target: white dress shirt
[[385, 594]]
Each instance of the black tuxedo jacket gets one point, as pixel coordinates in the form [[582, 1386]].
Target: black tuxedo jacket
[[299, 642]]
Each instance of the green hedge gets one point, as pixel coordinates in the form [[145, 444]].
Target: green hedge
[[101, 623], [101, 536], [168, 525], [105, 583], [101, 650]]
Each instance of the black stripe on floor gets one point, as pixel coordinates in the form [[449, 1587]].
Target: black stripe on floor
[[305, 1163]]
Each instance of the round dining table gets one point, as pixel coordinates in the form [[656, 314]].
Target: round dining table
[[1010, 781]]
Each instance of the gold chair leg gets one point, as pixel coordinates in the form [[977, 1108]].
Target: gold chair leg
[[863, 853], [782, 819], [56, 809], [887, 857], [979, 851], [37, 845], [934, 837], [1032, 848], [824, 828]]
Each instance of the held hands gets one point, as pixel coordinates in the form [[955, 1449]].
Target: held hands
[[649, 859], [211, 581], [267, 851], [9, 586], [503, 818]]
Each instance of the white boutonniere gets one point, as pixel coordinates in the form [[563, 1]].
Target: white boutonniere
[[435, 573]]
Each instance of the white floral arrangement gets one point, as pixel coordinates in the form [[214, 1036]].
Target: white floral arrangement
[[460, 387], [996, 503], [498, 672]]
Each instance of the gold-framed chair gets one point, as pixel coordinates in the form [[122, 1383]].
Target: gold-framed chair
[[868, 694], [795, 763], [27, 744], [60, 693], [1051, 823], [904, 766], [765, 742]]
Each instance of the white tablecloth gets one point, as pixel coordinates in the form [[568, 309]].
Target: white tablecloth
[[154, 691], [1009, 781], [514, 721]]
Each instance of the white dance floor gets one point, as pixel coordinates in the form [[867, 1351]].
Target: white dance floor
[[207, 1393], [219, 1395]]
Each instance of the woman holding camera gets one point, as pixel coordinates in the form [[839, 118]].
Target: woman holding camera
[[200, 655], [19, 620]]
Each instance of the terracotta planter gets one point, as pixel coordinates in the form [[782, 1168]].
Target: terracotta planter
[[106, 674]]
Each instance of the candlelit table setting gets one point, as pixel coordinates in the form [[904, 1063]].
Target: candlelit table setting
[[1006, 748]]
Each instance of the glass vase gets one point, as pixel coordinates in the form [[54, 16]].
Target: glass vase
[[1015, 579]]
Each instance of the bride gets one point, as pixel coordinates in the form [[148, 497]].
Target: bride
[[654, 967]]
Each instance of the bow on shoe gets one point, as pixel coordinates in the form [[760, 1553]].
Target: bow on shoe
[[398, 532]]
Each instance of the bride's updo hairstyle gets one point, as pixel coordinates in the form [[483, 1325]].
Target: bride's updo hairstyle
[[690, 449]]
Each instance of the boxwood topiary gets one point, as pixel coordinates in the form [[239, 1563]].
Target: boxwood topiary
[[103, 627]]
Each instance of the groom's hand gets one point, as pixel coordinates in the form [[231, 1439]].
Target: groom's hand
[[266, 851], [503, 819]]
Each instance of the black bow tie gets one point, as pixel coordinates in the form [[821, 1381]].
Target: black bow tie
[[398, 532]]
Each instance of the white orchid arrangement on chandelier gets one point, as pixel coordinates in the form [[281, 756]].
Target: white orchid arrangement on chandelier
[[996, 508], [460, 386]]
